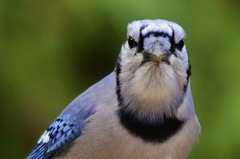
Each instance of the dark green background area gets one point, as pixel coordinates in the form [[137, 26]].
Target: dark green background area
[[52, 50]]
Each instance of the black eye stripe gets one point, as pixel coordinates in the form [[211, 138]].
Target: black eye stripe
[[156, 34], [141, 37], [174, 45]]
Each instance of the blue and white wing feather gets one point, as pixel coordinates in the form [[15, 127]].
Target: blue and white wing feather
[[72, 122], [61, 132]]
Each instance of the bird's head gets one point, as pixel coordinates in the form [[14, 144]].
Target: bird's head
[[153, 67]]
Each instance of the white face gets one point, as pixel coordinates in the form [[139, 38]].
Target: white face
[[155, 39], [154, 64]]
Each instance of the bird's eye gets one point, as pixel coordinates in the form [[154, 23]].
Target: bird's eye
[[180, 45], [131, 42]]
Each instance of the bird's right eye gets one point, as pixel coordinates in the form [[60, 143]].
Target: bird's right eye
[[131, 42]]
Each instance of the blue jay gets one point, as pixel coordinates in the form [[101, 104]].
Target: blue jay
[[142, 110]]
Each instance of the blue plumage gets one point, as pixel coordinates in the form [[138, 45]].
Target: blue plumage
[[71, 122], [60, 133]]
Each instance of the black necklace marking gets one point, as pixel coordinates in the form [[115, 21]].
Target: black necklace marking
[[118, 90], [156, 131], [189, 73]]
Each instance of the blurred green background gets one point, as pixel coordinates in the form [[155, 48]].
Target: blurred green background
[[51, 51]]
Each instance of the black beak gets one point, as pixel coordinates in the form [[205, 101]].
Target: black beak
[[149, 57]]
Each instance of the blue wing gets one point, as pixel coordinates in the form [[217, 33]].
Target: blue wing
[[61, 132], [73, 120]]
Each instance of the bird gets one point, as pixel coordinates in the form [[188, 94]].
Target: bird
[[142, 110]]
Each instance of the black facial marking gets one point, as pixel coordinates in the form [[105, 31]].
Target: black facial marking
[[140, 43], [156, 131], [156, 34], [173, 47], [189, 73]]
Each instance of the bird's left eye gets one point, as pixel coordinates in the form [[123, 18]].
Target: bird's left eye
[[131, 42], [180, 45]]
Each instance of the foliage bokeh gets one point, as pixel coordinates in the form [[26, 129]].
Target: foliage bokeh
[[51, 51]]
